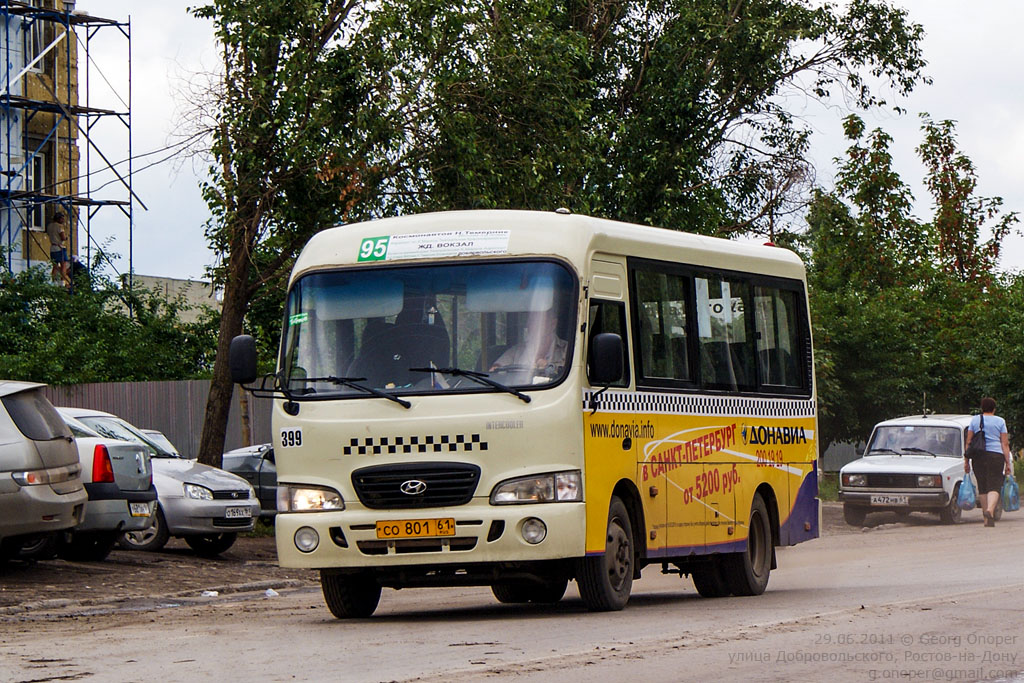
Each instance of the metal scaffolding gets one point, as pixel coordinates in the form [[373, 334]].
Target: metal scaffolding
[[46, 53]]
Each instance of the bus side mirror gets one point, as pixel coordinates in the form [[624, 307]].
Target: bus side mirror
[[605, 358], [242, 359]]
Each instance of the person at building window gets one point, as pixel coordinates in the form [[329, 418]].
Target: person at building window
[[990, 466], [57, 232], [540, 349]]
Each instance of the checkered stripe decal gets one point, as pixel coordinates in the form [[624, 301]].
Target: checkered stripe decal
[[685, 404], [444, 443]]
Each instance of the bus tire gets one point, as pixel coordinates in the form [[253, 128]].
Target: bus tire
[[350, 596], [747, 572], [606, 580], [710, 583]]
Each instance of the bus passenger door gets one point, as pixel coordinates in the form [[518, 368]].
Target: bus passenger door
[[654, 492], [686, 512], [716, 485]]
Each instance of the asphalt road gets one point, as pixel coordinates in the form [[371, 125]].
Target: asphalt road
[[899, 601]]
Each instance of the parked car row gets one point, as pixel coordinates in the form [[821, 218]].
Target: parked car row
[[76, 482]]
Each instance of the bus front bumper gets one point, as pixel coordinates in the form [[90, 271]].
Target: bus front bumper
[[482, 533]]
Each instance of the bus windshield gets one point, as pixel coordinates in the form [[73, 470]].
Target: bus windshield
[[429, 329]]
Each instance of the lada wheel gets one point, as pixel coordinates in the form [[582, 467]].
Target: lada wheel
[[605, 581], [350, 596], [747, 572], [89, 546], [854, 515], [951, 513], [154, 538], [211, 545], [43, 547]]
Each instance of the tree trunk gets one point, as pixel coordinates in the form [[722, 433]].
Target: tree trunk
[[218, 403], [245, 416]]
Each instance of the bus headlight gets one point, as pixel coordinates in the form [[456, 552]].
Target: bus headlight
[[293, 498], [542, 488]]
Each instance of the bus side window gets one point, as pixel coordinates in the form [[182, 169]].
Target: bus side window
[[610, 316], [778, 337]]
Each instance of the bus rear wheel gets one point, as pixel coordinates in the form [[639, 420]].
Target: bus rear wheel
[[747, 572], [710, 583], [605, 581], [350, 596]]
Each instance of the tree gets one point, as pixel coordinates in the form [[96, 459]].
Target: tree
[[895, 316], [662, 112], [283, 168], [48, 335]]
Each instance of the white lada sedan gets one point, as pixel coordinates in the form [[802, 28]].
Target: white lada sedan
[[204, 505], [911, 464]]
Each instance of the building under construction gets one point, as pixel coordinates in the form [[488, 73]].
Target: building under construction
[[50, 160]]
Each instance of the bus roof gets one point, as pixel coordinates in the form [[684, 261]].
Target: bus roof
[[537, 233]]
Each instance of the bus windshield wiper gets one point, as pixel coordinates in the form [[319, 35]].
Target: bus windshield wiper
[[353, 383], [480, 377], [919, 450]]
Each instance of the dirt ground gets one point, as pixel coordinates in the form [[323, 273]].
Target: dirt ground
[[175, 571], [250, 565]]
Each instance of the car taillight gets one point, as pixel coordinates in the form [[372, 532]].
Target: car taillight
[[102, 469]]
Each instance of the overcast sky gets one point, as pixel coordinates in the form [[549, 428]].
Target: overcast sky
[[973, 49]]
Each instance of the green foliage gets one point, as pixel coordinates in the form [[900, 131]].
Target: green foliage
[[663, 112], [48, 335], [905, 316]]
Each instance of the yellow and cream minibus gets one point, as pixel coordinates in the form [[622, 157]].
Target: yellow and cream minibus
[[522, 399]]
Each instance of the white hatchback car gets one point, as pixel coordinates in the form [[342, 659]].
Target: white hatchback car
[[910, 464]]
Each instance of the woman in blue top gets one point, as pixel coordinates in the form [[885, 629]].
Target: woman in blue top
[[990, 466]]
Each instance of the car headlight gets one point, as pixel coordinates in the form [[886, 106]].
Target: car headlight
[[929, 480], [291, 498], [540, 488], [855, 480], [198, 492]]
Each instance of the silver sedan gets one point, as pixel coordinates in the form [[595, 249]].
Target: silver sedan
[[206, 506]]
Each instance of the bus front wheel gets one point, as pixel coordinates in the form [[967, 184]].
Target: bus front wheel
[[605, 581], [350, 596], [747, 572]]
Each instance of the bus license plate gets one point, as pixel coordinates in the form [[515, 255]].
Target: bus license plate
[[416, 528], [890, 500], [139, 509], [238, 513]]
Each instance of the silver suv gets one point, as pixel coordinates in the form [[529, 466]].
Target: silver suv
[[41, 491]]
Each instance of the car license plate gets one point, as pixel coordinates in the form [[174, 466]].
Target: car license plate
[[139, 509], [416, 528], [238, 513], [890, 500]]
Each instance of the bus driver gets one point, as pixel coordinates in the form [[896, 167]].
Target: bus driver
[[539, 348]]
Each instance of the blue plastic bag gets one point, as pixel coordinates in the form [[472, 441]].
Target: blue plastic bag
[[966, 499], [1011, 494]]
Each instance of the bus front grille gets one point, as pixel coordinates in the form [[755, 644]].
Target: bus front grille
[[416, 485]]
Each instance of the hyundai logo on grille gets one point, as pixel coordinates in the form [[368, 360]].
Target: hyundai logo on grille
[[413, 487]]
